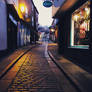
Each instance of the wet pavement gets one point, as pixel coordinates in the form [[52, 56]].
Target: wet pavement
[[35, 74], [9, 60]]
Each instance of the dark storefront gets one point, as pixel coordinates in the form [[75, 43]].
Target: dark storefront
[[75, 31], [12, 19]]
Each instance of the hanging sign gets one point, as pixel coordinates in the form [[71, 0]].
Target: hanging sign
[[47, 3]]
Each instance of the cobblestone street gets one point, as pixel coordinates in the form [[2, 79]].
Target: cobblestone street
[[45, 45], [35, 74]]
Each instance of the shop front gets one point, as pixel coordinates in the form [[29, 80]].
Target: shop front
[[12, 26], [54, 33], [54, 30], [80, 27], [75, 31], [23, 34]]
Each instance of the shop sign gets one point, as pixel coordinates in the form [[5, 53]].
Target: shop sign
[[47, 4]]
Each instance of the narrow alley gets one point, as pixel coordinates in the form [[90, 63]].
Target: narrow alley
[[36, 73], [45, 45]]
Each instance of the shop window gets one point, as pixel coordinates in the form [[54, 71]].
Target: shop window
[[80, 26]]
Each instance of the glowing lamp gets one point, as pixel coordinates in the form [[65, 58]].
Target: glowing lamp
[[76, 17], [52, 30], [87, 11], [22, 8]]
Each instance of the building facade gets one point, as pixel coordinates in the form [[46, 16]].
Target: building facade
[[75, 30], [3, 26], [18, 22], [54, 31]]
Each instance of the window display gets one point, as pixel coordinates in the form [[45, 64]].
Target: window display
[[80, 25]]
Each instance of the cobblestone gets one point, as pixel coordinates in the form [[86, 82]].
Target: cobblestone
[[35, 75]]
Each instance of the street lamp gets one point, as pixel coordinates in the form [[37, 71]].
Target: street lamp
[[24, 10], [52, 30]]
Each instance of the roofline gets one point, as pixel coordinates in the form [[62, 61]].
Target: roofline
[[59, 12], [34, 6]]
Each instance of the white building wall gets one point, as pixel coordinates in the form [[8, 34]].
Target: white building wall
[[14, 2], [3, 26]]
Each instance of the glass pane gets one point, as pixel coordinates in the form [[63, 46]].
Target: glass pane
[[80, 25]]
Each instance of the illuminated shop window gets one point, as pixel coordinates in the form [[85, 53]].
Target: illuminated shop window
[[80, 26]]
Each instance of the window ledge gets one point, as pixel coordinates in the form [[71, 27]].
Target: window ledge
[[80, 47]]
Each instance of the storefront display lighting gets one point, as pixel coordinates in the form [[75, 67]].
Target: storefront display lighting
[[76, 17], [80, 26], [87, 11]]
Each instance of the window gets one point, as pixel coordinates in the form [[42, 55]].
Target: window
[[32, 21], [80, 26]]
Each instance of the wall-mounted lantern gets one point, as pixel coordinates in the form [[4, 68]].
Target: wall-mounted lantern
[[22, 8]]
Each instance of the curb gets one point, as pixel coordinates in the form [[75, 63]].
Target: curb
[[69, 77], [13, 63]]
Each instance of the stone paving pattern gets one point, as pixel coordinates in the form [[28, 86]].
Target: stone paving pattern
[[4, 62], [35, 75]]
